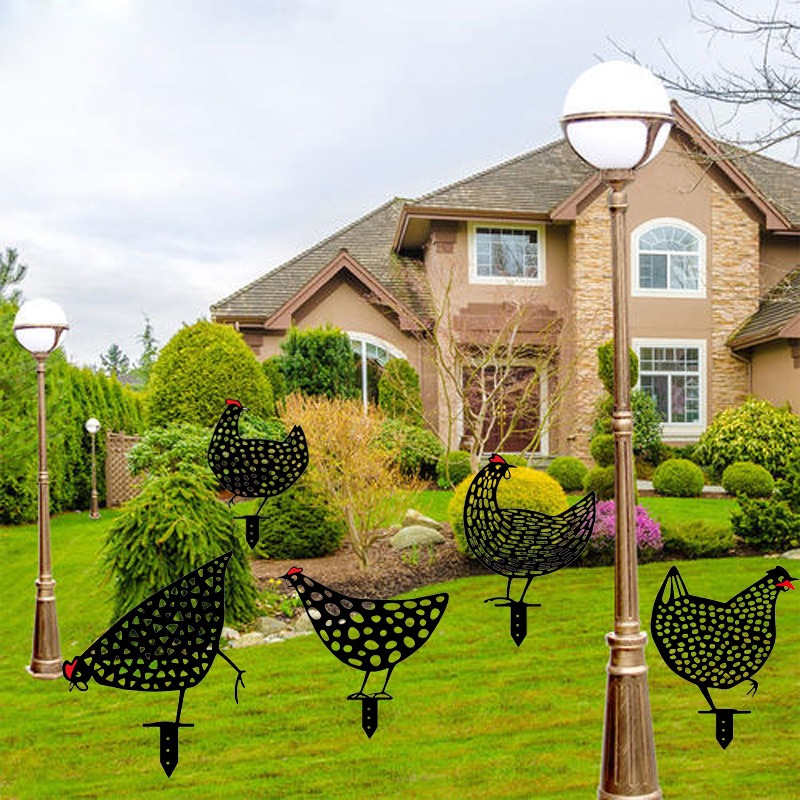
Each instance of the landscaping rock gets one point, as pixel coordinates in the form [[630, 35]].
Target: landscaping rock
[[248, 640], [414, 517], [303, 625], [230, 634], [416, 534], [270, 625], [794, 554]]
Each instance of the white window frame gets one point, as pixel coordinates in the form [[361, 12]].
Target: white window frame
[[544, 400], [637, 290], [499, 279], [681, 431], [364, 339]]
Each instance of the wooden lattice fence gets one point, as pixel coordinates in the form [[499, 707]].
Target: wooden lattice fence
[[121, 486]]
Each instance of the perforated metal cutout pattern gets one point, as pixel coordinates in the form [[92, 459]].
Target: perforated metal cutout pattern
[[169, 640], [255, 467]]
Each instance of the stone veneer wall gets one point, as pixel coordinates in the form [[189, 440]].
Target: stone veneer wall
[[592, 319], [733, 273]]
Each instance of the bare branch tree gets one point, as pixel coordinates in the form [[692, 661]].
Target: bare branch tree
[[771, 81]]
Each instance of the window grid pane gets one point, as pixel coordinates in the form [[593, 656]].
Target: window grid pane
[[672, 376], [669, 259], [507, 253]]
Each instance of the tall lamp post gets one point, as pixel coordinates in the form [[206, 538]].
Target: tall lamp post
[[38, 326], [616, 118], [92, 426]]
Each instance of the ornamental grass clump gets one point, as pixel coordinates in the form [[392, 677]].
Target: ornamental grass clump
[[600, 550]]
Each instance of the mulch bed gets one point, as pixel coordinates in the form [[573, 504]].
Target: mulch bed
[[387, 575]]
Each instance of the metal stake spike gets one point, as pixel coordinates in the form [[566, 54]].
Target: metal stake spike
[[251, 531], [169, 742], [724, 728], [519, 618]]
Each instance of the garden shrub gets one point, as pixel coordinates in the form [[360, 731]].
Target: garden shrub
[[605, 365], [755, 431], [646, 426], [200, 367], [319, 361], [173, 526], [527, 489], [177, 448], [766, 524], [600, 550], [515, 459], [272, 369], [568, 471], [450, 471], [298, 524], [600, 480], [751, 480], [415, 450], [678, 477], [697, 539], [251, 427], [602, 449], [772, 524], [399, 393]]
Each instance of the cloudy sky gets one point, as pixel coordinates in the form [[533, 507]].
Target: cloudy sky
[[156, 156]]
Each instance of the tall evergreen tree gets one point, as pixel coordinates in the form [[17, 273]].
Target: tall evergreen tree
[[115, 361]]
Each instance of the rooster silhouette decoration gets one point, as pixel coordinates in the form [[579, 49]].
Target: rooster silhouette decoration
[[254, 467], [717, 645], [166, 644], [519, 543], [368, 635]]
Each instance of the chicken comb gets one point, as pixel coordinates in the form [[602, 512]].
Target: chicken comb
[[496, 459], [294, 570], [233, 403]]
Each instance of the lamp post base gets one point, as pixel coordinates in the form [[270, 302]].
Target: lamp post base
[[629, 753], [46, 670]]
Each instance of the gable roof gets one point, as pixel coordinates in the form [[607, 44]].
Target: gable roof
[[777, 310], [367, 241], [546, 183]]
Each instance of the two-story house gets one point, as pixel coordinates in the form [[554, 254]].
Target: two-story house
[[714, 238]]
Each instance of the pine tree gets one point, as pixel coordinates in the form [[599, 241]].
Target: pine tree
[[115, 361]]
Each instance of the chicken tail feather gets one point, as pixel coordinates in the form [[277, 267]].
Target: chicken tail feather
[[673, 587]]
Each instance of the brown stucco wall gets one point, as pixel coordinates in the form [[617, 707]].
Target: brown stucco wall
[[775, 377], [779, 255]]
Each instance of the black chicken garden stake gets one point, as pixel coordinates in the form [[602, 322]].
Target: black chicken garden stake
[[369, 635], [519, 543], [718, 645], [165, 644], [254, 467]]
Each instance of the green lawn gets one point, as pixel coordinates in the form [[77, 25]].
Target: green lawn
[[473, 715], [665, 509]]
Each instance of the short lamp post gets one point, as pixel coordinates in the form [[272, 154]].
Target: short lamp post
[[38, 326], [92, 426], [616, 118]]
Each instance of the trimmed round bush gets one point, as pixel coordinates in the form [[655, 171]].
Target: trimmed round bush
[[749, 479], [298, 524], [600, 480], [678, 477], [527, 489], [515, 459], [600, 550], [457, 468], [199, 368], [568, 471], [697, 539], [755, 431], [174, 525], [416, 451], [602, 449], [605, 365]]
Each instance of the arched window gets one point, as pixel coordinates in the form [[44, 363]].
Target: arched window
[[669, 259], [372, 355]]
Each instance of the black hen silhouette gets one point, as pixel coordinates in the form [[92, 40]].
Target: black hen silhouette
[[166, 644], [717, 645], [254, 467], [519, 543], [368, 635]]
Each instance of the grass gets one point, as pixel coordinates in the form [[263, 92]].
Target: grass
[[665, 509], [473, 715]]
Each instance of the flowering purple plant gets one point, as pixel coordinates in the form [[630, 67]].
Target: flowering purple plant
[[601, 543]]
